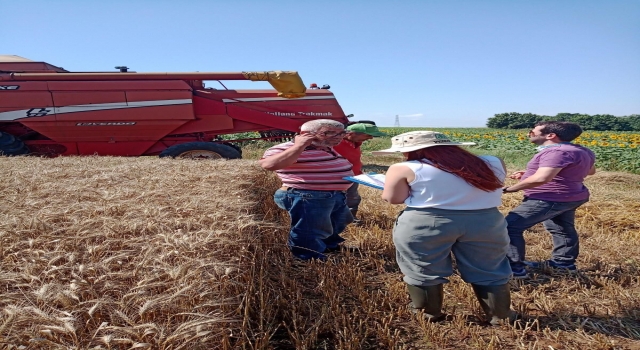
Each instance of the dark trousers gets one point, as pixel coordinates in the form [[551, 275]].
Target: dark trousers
[[353, 198], [557, 217]]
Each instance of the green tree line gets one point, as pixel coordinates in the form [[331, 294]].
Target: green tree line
[[600, 122]]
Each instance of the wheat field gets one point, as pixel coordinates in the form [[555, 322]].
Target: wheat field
[[146, 253]]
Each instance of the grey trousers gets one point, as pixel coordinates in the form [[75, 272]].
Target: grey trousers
[[557, 217], [426, 237]]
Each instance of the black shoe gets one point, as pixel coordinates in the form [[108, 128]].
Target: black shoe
[[552, 264], [520, 273]]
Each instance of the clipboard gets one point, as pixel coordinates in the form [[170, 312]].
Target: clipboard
[[372, 180]]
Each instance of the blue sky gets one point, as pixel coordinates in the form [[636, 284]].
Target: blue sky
[[433, 63]]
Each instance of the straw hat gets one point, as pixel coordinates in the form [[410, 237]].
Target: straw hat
[[415, 140]]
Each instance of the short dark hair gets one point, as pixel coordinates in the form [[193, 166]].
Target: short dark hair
[[565, 131]]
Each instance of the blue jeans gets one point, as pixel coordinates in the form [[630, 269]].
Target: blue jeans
[[317, 219], [557, 217]]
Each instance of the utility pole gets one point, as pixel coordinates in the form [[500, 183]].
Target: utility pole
[[397, 123]]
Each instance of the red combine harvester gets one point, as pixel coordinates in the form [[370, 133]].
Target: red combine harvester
[[46, 110]]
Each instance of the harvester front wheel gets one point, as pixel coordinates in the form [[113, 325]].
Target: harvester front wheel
[[201, 150], [11, 145]]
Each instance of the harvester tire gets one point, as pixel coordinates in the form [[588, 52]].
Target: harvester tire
[[235, 146], [11, 145], [201, 150]]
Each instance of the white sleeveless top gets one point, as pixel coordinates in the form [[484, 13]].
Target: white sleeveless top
[[434, 188]]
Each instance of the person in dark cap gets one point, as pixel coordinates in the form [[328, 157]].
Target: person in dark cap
[[349, 148]]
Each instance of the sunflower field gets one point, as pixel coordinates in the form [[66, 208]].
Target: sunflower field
[[615, 150]]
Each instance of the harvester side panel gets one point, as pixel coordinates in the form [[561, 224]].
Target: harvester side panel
[[82, 98], [23, 95], [94, 112], [119, 125], [28, 103], [257, 110], [211, 116], [262, 119], [51, 148]]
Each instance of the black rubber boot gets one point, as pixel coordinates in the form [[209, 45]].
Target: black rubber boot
[[496, 303], [428, 299]]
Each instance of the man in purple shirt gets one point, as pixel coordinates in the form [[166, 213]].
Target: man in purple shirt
[[553, 190]]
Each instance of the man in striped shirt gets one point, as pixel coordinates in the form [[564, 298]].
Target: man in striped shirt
[[313, 189]]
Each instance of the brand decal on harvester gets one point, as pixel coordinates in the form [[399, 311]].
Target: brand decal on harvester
[[9, 87], [38, 112], [317, 114], [105, 123], [293, 114], [282, 114]]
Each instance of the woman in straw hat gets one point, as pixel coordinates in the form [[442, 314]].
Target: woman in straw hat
[[452, 197]]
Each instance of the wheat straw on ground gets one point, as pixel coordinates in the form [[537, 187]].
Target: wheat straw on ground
[[119, 253], [104, 251]]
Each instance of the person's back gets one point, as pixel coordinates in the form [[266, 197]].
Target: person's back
[[452, 197], [567, 186], [436, 188]]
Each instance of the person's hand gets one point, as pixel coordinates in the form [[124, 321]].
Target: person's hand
[[516, 175], [304, 140]]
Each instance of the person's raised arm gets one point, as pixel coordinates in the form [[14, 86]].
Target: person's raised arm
[[288, 156], [396, 184]]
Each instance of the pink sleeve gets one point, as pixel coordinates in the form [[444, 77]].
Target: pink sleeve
[[270, 152]]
